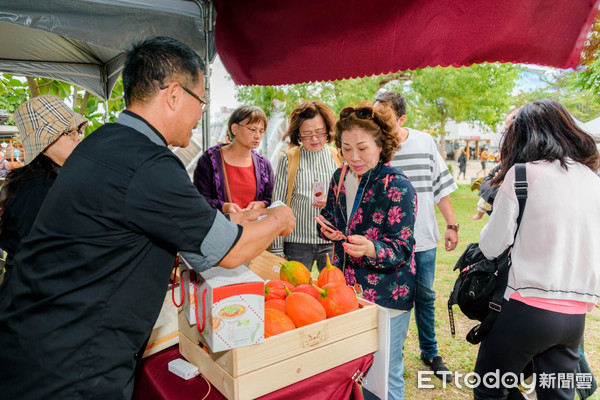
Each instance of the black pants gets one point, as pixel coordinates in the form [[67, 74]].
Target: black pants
[[521, 334], [307, 253]]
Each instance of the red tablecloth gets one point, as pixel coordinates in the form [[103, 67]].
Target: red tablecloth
[[155, 382]]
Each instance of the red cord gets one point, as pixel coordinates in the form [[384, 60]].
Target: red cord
[[203, 308], [200, 329], [196, 301], [182, 286]]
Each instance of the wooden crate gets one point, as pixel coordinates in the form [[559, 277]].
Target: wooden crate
[[266, 265], [253, 371]]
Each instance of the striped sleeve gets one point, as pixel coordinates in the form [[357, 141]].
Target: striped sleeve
[[443, 182], [425, 168], [280, 193]]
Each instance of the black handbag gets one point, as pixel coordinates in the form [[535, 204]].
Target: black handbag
[[481, 283]]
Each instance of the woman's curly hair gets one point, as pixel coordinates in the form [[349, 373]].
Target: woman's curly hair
[[382, 126]]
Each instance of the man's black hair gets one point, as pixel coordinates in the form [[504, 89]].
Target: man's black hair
[[153, 62]]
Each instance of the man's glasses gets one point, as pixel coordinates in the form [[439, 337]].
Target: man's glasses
[[254, 131], [317, 135], [203, 103]]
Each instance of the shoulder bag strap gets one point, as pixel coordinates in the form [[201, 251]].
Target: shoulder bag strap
[[479, 332], [227, 191], [520, 190], [293, 156], [339, 185], [335, 153], [520, 187]]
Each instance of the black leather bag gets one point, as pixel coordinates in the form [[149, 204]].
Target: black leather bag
[[477, 281], [481, 283]]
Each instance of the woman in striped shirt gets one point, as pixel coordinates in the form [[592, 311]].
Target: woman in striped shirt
[[301, 181]]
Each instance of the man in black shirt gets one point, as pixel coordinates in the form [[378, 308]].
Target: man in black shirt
[[90, 278]]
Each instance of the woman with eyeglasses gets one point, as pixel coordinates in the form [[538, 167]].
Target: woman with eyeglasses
[[234, 177], [370, 217], [49, 131], [301, 178]]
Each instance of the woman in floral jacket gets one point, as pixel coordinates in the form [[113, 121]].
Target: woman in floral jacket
[[372, 223]]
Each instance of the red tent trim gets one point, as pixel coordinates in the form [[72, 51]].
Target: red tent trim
[[273, 42]]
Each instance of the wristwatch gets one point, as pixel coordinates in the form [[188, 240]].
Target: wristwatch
[[454, 227]]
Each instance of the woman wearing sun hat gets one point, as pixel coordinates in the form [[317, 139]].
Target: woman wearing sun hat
[[49, 131]]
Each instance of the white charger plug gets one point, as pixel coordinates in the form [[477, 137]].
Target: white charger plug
[[183, 369]]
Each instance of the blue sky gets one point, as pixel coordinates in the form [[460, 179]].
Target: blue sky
[[531, 78]]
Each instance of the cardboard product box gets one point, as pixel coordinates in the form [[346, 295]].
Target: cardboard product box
[[229, 303], [252, 371]]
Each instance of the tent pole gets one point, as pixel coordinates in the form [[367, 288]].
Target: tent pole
[[206, 14], [106, 114]]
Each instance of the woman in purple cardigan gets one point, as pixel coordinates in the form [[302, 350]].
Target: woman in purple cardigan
[[233, 177]]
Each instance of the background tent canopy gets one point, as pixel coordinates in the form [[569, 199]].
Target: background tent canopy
[[84, 41], [270, 42]]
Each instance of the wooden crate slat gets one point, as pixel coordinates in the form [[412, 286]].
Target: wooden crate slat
[[289, 344], [289, 371]]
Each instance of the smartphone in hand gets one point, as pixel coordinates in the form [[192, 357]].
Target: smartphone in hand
[[329, 228]]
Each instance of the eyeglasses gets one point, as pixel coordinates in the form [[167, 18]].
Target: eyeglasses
[[76, 134], [203, 103], [254, 131], [362, 112], [317, 135]]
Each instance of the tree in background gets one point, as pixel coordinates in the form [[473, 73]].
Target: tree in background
[[578, 90], [562, 86], [336, 94], [589, 54], [582, 86], [480, 94], [16, 90]]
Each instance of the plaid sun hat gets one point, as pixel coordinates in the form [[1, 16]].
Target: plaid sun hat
[[41, 121]]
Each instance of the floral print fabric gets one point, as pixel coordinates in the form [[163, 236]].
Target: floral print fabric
[[386, 216]]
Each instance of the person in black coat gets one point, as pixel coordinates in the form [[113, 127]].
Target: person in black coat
[[462, 164], [49, 130]]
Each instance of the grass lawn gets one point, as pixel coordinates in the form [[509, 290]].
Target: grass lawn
[[458, 354]]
